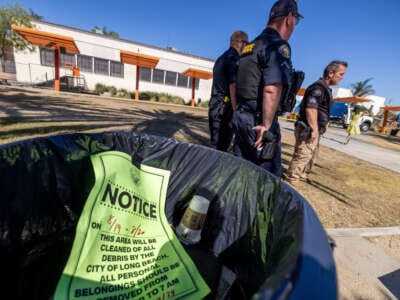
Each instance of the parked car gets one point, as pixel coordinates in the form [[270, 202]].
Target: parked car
[[341, 114]]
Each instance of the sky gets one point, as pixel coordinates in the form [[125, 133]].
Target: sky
[[366, 34]]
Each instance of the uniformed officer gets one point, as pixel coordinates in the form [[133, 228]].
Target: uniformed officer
[[223, 92], [313, 120], [264, 71]]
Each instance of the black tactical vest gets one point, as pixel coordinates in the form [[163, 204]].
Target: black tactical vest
[[254, 57], [324, 98], [249, 73]]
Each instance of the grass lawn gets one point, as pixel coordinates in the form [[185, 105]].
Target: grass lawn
[[345, 191]]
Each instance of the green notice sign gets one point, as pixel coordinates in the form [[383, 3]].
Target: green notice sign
[[124, 247]]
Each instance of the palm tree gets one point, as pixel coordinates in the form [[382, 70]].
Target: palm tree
[[34, 15], [362, 88], [104, 31]]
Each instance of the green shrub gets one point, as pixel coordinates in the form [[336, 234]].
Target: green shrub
[[203, 104], [177, 100], [160, 97], [100, 88], [144, 96], [123, 93], [163, 98], [112, 90]]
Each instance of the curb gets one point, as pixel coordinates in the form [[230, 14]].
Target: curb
[[368, 231]]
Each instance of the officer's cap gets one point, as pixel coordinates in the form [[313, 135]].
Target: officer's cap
[[283, 8]]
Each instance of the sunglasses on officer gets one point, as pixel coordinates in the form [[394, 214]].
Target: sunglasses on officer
[[298, 18], [245, 42]]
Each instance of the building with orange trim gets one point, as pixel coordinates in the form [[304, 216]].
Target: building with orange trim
[[102, 59], [374, 102]]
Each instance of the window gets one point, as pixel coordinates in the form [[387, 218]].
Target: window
[[182, 80], [170, 78], [197, 81], [68, 58], [8, 61], [85, 63], [116, 69], [145, 74], [9, 67], [8, 54], [47, 57], [101, 66], [158, 76]]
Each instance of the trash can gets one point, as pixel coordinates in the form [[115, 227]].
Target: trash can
[[94, 216]]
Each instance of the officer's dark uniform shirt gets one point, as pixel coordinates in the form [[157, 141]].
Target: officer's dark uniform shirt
[[319, 96], [224, 73], [264, 61]]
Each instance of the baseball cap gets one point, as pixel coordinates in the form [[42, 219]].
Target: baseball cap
[[283, 8]]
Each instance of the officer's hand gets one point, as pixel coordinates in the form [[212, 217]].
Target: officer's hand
[[259, 129], [313, 136]]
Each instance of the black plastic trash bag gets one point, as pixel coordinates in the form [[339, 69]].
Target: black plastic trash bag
[[257, 227]]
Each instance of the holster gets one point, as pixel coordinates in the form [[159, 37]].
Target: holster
[[270, 143], [305, 130], [218, 110], [288, 100]]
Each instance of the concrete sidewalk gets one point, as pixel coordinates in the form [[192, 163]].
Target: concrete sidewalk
[[367, 259], [358, 147], [367, 268], [386, 158]]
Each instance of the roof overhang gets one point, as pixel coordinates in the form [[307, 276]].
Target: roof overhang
[[392, 108], [46, 39], [197, 73], [301, 92], [352, 99], [138, 59]]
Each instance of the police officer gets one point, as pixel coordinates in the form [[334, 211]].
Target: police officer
[[223, 92], [313, 120], [264, 71]]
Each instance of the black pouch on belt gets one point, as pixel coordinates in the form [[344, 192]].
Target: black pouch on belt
[[269, 145], [305, 130]]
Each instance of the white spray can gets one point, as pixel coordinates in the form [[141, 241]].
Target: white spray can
[[189, 229]]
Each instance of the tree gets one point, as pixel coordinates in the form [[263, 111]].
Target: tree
[[362, 88], [104, 31], [34, 15], [13, 14]]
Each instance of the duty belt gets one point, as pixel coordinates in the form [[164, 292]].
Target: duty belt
[[248, 106], [302, 125]]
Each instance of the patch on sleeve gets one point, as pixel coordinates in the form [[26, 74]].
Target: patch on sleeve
[[312, 100], [248, 48], [284, 51], [316, 93]]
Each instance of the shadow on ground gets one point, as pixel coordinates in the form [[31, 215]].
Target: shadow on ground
[[26, 115], [287, 152], [391, 282]]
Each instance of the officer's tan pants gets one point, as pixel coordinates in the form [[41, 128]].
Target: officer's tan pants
[[304, 157]]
